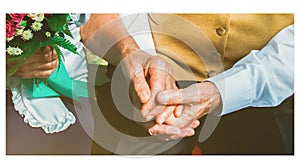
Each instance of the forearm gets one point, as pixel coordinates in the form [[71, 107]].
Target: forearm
[[104, 31]]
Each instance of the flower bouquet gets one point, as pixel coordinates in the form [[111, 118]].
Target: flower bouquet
[[25, 35]]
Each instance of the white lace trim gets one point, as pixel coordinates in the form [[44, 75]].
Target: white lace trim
[[61, 123]]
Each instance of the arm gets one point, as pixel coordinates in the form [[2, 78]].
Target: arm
[[265, 78], [262, 78], [103, 31]]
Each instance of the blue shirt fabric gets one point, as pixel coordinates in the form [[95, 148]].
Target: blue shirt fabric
[[263, 78]]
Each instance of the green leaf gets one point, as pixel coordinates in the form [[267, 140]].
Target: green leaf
[[23, 23], [20, 60], [29, 49], [57, 22], [14, 69], [58, 51], [68, 32], [66, 44]]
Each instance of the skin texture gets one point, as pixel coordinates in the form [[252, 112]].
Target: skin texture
[[149, 74], [40, 65], [197, 101]]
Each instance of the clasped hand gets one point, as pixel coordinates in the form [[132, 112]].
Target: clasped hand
[[175, 111]]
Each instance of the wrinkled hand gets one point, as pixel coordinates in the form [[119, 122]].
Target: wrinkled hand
[[40, 65], [172, 129], [197, 100], [150, 75], [143, 68]]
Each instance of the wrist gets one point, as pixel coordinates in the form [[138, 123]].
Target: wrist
[[215, 98], [128, 47]]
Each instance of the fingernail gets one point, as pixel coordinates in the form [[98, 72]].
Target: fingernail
[[146, 112], [161, 120], [162, 97], [191, 132], [150, 132], [149, 117], [144, 96]]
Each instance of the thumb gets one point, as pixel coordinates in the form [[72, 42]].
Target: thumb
[[141, 87], [179, 96]]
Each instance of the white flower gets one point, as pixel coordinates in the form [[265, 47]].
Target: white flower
[[48, 34], [14, 51], [19, 32], [36, 16], [18, 51], [36, 26], [27, 35], [9, 38], [10, 50]]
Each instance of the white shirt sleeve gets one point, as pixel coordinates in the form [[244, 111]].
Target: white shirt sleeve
[[138, 27], [261, 79]]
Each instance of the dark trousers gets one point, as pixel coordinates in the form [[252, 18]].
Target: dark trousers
[[284, 115], [248, 131]]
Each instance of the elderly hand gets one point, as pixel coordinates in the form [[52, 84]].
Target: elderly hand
[[40, 65], [149, 75], [197, 100], [171, 131]]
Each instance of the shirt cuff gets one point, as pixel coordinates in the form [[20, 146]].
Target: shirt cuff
[[231, 84]]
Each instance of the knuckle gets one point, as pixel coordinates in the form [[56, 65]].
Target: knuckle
[[46, 74]]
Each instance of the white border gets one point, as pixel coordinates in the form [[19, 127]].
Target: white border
[[134, 6]]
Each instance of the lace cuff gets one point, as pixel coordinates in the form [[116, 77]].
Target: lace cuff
[[48, 113]]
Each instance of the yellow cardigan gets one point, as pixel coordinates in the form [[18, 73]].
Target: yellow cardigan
[[232, 35]]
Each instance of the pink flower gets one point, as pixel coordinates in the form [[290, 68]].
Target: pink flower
[[10, 28], [17, 18]]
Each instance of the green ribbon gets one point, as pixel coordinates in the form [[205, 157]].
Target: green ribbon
[[59, 83]]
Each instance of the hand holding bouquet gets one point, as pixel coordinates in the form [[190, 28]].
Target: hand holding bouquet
[[28, 33]]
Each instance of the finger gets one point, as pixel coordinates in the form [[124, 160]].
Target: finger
[[195, 124], [50, 56], [141, 86], [178, 111], [149, 105], [187, 130], [157, 79], [180, 96], [48, 66], [44, 55], [163, 112], [167, 111], [170, 82], [35, 74], [184, 133], [46, 49], [44, 74], [164, 130], [158, 109]]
